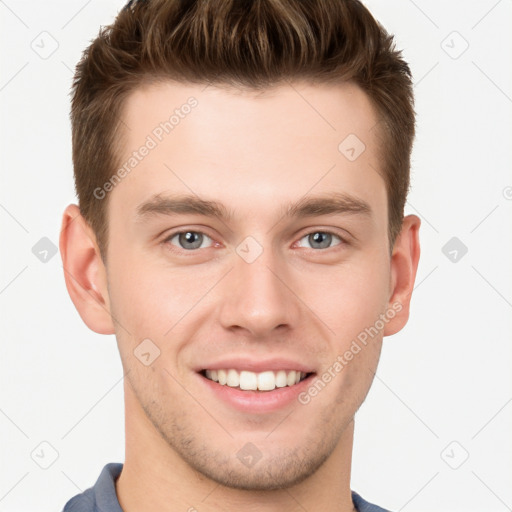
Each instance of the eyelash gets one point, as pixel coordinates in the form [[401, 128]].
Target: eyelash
[[191, 252]]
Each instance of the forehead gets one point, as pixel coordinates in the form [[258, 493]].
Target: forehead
[[251, 148], [325, 108]]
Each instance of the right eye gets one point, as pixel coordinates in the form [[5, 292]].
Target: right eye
[[188, 240]]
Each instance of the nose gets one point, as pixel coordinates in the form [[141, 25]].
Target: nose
[[258, 296]]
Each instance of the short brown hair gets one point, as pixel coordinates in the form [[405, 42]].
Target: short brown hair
[[251, 44]]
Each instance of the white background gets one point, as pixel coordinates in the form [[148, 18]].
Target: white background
[[444, 381]]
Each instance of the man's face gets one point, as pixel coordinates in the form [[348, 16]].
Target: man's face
[[257, 290]]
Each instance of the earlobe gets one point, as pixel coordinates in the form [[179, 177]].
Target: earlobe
[[84, 271], [404, 264]]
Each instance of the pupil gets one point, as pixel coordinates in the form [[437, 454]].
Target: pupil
[[192, 238], [321, 238]]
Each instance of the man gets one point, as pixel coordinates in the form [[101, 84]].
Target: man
[[242, 170]]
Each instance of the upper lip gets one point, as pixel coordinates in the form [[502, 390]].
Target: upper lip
[[256, 366]]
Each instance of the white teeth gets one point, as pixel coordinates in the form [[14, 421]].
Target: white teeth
[[223, 376], [280, 379], [264, 381], [233, 379], [248, 380]]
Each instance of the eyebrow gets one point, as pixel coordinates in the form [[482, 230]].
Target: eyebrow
[[308, 206]]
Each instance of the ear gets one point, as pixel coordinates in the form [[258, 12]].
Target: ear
[[84, 271], [404, 264]]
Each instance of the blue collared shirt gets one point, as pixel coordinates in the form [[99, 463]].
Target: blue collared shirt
[[102, 496]]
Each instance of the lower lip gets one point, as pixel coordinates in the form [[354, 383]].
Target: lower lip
[[257, 401]]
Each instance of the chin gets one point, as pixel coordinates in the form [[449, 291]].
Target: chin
[[265, 475]]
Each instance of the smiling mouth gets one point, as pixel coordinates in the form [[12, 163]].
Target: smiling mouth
[[252, 381]]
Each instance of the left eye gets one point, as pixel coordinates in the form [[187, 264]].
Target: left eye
[[321, 239], [189, 240]]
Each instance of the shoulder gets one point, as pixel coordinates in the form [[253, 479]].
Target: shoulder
[[84, 502], [364, 506], [101, 496]]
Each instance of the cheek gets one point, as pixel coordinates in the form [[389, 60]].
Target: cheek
[[142, 300], [358, 373], [152, 300], [351, 297]]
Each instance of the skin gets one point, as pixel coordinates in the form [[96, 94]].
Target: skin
[[255, 153]]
